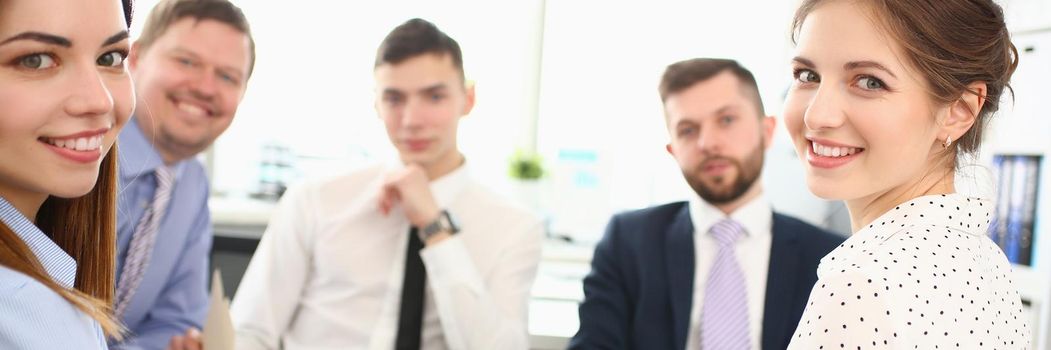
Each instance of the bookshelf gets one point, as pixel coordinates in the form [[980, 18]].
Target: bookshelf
[[1023, 127]]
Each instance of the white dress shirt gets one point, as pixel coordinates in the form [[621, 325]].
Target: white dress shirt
[[753, 255], [328, 271], [924, 275]]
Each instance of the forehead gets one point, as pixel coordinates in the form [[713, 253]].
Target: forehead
[[89, 21], [720, 93], [838, 32], [209, 39], [418, 72]]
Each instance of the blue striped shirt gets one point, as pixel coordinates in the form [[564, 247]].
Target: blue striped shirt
[[35, 317]]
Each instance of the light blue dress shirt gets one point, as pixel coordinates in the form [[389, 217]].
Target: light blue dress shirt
[[173, 294], [32, 316]]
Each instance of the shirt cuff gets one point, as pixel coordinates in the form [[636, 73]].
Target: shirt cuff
[[449, 263]]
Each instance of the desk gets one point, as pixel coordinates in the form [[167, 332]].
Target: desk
[[553, 319]]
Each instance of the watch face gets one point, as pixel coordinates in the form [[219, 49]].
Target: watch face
[[449, 223]]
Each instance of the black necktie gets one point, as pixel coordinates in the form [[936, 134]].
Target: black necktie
[[410, 315]]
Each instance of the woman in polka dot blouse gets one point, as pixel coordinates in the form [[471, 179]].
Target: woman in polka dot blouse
[[887, 95]]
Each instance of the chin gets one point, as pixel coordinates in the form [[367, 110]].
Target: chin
[[409, 157], [73, 189], [824, 189]]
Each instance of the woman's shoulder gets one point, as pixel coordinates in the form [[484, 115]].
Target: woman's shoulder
[[12, 281], [31, 311], [20, 291]]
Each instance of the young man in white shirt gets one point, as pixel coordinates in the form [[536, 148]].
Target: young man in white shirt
[[415, 256]]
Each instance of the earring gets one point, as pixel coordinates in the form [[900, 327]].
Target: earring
[[948, 142]]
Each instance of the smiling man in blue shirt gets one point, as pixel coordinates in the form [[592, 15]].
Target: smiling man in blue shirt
[[190, 65]]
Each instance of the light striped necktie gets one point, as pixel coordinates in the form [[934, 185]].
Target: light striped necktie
[[724, 314], [141, 247]]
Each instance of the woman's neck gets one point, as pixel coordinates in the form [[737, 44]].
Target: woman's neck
[[27, 203], [867, 209]]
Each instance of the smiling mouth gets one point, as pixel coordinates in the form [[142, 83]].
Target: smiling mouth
[[79, 144], [834, 152], [192, 108]]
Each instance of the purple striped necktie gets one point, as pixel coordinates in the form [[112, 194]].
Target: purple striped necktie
[[724, 314], [142, 241]]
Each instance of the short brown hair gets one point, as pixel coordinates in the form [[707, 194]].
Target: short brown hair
[[167, 12], [416, 37], [682, 75], [953, 43]]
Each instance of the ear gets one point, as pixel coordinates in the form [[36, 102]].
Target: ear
[[964, 112], [769, 126], [133, 55], [469, 97]]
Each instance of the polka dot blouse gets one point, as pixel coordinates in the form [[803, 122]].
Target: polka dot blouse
[[922, 276]]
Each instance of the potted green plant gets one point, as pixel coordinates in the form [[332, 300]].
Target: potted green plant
[[526, 169], [525, 166]]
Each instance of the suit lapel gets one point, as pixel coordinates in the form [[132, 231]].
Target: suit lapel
[[679, 258], [781, 288]]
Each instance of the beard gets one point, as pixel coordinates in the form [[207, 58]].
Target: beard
[[722, 189], [185, 146]]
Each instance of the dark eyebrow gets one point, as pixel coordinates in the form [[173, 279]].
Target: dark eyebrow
[[684, 122], [392, 91], [41, 37], [868, 64], [726, 108], [433, 88], [803, 61], [116, 38]]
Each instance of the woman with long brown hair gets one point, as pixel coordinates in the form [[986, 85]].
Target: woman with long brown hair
[[888, 95], [64, 95]]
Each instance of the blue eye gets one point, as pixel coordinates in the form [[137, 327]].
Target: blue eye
[[227, 78], [871, 83], [186, 62], [686, 131]]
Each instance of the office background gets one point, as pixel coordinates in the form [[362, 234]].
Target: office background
[[573, 81]]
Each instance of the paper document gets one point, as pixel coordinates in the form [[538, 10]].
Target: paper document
[[218, 328]]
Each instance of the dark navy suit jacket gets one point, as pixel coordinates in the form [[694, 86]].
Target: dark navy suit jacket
[[640, 289]]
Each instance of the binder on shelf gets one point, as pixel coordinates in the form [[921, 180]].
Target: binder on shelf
[[1012, 225]]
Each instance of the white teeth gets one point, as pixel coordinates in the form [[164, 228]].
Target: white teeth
[[82, 144], [826, 151], [189, 108]]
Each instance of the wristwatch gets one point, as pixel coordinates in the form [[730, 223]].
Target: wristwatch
[[444, 223]]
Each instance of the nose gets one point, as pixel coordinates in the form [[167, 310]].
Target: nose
[[413, 114], [206, 84], [824, 110], [88, 94], [710, 139]]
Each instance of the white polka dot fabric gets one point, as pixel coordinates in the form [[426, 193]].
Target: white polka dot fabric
[[922, 276]]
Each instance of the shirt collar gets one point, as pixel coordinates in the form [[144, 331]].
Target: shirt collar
[[970, 215], [138, 157], [58, 264], [448, 187], [756, 216], [938, 211]]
